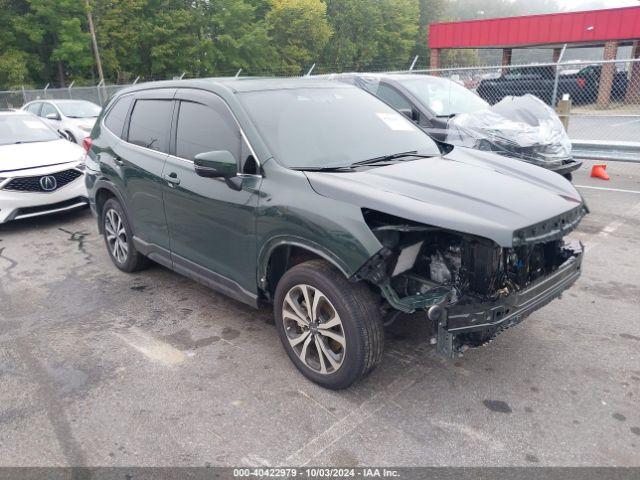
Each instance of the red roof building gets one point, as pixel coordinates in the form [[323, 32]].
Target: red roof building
[[608, 28]]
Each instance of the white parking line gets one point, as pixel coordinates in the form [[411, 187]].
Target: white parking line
[[607, 189], [625, 123], [152, 348]]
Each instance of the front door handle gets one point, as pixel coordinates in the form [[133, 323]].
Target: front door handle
[[172, 178]]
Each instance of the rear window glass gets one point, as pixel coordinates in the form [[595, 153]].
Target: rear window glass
[[149, 124], [34, 108], [118, 115]]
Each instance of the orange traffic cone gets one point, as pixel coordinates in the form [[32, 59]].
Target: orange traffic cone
[[598, 171]]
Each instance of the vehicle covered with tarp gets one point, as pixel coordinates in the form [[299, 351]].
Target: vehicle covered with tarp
[[523, 128]]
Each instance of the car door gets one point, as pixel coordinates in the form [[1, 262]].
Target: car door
[[137, 164], [211, 225]]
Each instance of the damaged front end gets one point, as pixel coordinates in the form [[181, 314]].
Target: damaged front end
[[470, 288]]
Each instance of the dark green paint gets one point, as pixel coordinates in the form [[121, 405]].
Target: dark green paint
[[231, 232]]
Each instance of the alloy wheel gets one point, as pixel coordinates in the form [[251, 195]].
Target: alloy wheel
[[116, 236], [314, 329]]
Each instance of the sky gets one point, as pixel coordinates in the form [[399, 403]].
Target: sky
[[578, 4]]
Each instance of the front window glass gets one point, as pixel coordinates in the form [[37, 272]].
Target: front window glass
[[444, 97], [48, 109], [24, 129], [392, 97], [331, 127], [203, 129], [80, 109]]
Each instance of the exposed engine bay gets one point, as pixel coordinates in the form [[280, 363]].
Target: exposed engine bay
[[422, 266]]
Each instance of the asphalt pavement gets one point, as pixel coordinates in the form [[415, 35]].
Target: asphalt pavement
[[613, 128], [101, 368]]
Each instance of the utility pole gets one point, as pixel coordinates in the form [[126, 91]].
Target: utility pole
[[94, 41]]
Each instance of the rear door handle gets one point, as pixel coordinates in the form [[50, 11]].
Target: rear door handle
[[172, 178]]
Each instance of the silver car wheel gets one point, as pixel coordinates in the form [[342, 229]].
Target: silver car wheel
[[314, 329], [116, 236]]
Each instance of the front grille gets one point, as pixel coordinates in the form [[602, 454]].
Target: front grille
[[33, 184]]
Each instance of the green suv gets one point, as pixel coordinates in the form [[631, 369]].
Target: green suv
[[320, 199]]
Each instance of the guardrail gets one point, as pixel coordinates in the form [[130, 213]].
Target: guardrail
[[604, 150]]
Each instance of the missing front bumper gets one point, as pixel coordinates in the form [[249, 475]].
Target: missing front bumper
[[467, 326]]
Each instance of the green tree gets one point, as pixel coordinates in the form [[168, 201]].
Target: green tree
[[14, 60], [53, 30], [121, 26], [430, 11], [356, 25], [233, 37], [13, 69], [396, 39], [300, 31]]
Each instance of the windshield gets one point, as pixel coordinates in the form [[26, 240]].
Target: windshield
[[24, 129], [331, 127], [444, 97], [79, 109]]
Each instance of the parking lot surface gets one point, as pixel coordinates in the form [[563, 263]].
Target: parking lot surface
[[100, 368], [615, 127]]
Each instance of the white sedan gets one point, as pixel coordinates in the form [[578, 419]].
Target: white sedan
[[40, 172], [73, 117]]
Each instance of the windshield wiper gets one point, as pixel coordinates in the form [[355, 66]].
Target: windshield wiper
[[388, 158], [324, 169], [371, 161]]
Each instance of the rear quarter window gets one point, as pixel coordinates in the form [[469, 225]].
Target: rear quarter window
[[117, 116]]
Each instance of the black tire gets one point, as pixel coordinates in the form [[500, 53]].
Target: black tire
[[133, 260], [361, 322], [568, 176]]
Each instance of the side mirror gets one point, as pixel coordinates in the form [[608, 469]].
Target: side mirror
[[216, 164], [411, 113], [52, 116]]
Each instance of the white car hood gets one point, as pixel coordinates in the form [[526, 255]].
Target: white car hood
[[38, 154]]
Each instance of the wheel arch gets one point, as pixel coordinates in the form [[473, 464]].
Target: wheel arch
[[104, 190], [281, 253]]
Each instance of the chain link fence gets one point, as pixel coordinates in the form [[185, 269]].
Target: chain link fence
[[604, 95], [96, 94]]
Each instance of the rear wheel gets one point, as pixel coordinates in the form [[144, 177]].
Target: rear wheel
[[330, 328], [119, 238]]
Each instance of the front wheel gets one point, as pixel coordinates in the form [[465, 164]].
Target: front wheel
[[330, 328]]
